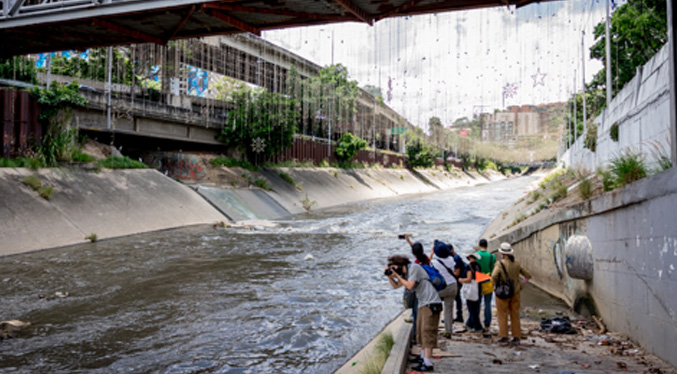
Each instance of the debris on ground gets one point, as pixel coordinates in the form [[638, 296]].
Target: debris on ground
[[9, 329]]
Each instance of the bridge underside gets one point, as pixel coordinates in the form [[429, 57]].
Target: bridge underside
[[31, 26]]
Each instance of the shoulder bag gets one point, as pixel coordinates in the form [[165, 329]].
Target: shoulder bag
[[504, 287]]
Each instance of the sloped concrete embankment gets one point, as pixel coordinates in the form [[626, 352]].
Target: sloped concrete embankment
[[318, 188], [616, 253], [108, 204]]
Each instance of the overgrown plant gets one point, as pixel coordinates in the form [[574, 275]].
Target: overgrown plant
[[419, 153], [613, 132], [307, 203], [262, 123], [585, 189], [381, 352], [57, 102], [348, 146], [590, 141], [628, 168], [116, 162], [35, 183]]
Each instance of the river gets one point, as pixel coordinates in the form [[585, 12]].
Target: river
[[222, 300]]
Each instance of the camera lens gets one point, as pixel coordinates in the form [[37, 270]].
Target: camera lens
[[387, 272]]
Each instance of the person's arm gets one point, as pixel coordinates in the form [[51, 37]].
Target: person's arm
[[406, 237], [432, 251], [392, 279], [404, 282], [468, 277], [526, 274]]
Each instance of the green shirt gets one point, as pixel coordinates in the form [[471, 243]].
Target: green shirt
[[487, 261]]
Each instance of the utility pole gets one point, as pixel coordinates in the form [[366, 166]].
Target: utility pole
[[673, 95], [585, 106], [608, 56], [575, 113]]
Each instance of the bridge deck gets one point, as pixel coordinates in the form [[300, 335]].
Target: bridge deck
[[30, 26]]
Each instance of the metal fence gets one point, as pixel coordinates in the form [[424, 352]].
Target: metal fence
[[19, 122], [315, 150]]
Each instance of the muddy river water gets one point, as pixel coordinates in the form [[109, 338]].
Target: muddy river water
[[300, 297]]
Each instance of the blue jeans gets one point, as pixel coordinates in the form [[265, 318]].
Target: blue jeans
[[474, 315], [487, 308], [414, 313]]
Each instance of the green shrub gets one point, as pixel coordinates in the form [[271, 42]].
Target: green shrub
[[590, 141], [613, 132], [262, 184], [628, 168], [323, 164], [21, 162], [664, 163], [231, 162], [307, 203], [382, 350], [608, 182], [45, 192], [348, 146], [585, 189], [78, 156], [32, 181], [91, 237], [287, 178], [533, 196], [115, 162]]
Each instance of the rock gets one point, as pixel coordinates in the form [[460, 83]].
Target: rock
[[13, 326]]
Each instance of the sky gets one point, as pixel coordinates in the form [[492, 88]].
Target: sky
[[457, 64]]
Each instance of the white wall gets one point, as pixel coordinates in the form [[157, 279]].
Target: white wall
[[641, 110]]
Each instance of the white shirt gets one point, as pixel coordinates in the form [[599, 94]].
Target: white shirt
[[449, 262]]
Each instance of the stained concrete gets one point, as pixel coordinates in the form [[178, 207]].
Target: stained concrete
[[108, 204], [633, 241]]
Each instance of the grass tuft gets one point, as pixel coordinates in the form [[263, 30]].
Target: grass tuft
[[628, 168], [381, 352], [115, 162]]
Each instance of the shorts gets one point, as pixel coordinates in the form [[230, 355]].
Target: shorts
[[427, 324]]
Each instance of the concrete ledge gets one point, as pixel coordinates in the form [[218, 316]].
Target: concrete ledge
[[397, 360]]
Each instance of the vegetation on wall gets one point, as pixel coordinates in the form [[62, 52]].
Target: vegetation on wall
[[419, 153], [348, 146], [262, 123], [60, 140]]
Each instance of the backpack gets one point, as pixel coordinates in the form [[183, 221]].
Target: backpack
[[504, 287], [435, 277]]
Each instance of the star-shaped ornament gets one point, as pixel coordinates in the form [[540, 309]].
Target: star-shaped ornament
[[539, 78]]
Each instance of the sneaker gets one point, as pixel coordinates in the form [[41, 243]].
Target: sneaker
[[459, 319], [423, 367], [503, 341], [416, 360], [515, 341]]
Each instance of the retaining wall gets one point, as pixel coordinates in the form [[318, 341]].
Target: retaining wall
[[641, 110], [626, 241], [107, 203]]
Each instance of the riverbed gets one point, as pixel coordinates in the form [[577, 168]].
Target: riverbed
[[300, 296]]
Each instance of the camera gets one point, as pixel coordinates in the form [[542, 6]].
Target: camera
[[388, 272], [401, 236]]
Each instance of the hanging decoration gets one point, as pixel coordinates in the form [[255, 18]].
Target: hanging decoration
[[258, 145], [539, 78]]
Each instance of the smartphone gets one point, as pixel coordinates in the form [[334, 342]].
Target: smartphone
[[401, 236]]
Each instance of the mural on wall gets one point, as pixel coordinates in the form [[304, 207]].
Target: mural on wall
[[179, 166], [560, 256]]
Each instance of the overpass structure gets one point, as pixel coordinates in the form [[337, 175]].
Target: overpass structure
[[31, 26]]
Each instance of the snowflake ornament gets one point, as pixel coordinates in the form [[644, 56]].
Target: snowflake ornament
[[258, 145], [510, 89]]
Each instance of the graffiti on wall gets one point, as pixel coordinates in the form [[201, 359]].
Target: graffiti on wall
[[180, 166], [557, 247]]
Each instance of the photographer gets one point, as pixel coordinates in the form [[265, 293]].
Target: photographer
[[401, 272]]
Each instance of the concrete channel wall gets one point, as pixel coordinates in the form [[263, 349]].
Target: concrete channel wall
[[641, 111], [619, 249], [123, 202]]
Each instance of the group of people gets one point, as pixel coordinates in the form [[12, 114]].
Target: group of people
[[477, 277]]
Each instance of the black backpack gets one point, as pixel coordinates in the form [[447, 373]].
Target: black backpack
[[504, 287]]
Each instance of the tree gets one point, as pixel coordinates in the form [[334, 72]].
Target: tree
[[348, 146], [20, 68], [261, 123], [638, 31], [419, 153]]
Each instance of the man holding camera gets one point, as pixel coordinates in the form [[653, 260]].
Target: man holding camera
[[401, 272]]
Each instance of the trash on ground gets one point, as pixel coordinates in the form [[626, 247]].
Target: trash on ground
[[558, 325]]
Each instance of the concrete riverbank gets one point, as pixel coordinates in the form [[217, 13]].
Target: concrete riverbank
[[113, 203]]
